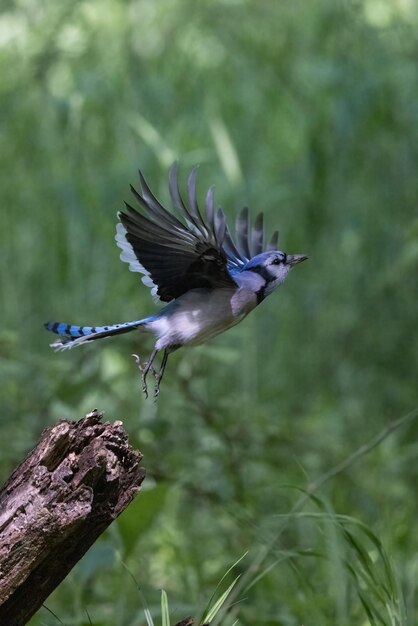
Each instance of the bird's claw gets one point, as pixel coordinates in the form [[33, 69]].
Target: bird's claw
[[143, 368], [137, 360], [157, 376]]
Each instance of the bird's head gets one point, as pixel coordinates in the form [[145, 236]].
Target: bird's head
[[273, 266]]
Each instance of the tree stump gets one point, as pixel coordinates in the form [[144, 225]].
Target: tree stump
[[71, 486]]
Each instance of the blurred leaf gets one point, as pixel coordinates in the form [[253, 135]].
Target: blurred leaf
[[100, 556], [140, 515], [226, 151]]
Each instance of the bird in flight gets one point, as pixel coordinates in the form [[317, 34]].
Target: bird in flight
[[209, 279]]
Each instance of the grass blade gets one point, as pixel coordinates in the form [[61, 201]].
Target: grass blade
[[165, 616], [212, 613], [204, 617]]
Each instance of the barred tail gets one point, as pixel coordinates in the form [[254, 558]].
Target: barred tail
[[71, 336]]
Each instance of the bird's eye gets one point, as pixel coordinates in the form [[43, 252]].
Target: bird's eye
[[276, 261]]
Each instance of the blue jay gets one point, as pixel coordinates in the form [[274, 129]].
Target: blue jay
[[191, 262]]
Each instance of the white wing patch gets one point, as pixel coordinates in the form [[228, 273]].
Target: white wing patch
[[128, 256]]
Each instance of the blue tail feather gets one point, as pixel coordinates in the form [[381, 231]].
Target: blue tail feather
[[71, 335]]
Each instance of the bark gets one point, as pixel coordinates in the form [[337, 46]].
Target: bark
[[71, 486]]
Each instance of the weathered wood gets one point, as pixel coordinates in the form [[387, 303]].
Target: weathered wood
[[71, 486]]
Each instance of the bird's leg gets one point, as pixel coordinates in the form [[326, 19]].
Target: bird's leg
[[159, 375], [144, 369]]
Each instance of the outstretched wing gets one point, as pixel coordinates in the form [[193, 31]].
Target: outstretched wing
[[175, 256]]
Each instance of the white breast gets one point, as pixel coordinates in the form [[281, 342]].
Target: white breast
[[200, 314]]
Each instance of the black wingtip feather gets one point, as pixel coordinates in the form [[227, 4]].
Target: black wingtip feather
[[194, 207], [274, 241], [242, 230], [210, 208], [173, 187], [257, 235]]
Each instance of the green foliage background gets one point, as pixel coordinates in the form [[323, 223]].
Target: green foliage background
[[307, 110]]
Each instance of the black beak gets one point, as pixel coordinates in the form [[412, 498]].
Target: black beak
[[294, 259]]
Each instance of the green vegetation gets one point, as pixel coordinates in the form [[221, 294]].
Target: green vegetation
[[307, 110]]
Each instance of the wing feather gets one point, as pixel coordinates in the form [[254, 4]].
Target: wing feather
[[194, 207], [220, 226], [241, 229], [210, 209], [191, 218], [274, 241], [257, 235]]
